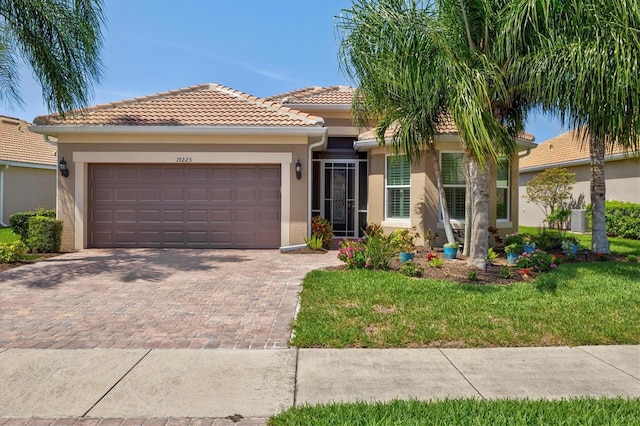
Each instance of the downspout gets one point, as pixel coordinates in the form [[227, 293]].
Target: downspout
[[310, 178], [527, 152], [2, 169]]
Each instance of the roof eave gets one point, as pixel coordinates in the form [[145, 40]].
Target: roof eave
[[578, 162], [56, 130], [318, 107], [366, 144], [28, 165]]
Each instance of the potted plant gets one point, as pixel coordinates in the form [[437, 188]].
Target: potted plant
[[513, 250], [569, 245], [451, 250], [405, 241]]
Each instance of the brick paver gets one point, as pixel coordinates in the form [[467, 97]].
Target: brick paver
[[147, 298]]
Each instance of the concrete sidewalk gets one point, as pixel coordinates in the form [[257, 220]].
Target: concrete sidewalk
[[214, 384]]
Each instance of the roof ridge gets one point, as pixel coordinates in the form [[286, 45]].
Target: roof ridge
[[269, 105]]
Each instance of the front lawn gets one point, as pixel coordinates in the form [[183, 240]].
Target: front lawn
[[589, 303], [584, 411]]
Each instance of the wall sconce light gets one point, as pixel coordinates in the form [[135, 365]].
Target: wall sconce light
[[62, 166], [298, 170]]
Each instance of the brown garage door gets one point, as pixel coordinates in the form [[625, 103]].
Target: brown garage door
[[215, 206]]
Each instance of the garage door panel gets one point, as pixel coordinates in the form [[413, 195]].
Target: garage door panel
[[217, 206]]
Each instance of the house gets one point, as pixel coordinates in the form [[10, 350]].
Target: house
[[622, 173], [209, 166], [27, 169]]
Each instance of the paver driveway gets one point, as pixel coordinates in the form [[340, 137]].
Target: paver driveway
[[148, 298]]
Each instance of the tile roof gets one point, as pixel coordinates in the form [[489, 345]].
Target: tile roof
[[19, 145], [314, 95], [445, 127], [563, 148], [202, 105]]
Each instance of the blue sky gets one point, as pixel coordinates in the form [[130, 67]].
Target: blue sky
[[262, 47]]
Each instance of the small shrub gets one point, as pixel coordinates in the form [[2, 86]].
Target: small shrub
[[314, 243], [321, 228], [491, 253], [45, 234], [505, 272], [549, 239], [20, 221], [353, 254], [12, 252], [435, 262], [632, 258], [473, 276], [536, 261], [405, 240], [411, 269]]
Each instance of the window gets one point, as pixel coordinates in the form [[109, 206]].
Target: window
[[502, 191], [398, 187], [453, 182]]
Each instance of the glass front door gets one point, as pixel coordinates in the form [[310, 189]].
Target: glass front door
[[344, 186]]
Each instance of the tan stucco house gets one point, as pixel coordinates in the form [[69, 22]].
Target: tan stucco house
[[208, 166], [27, 169], [622, 173]]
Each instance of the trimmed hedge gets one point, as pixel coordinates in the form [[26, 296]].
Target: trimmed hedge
[[12, 252], [19, 222], [45, 234], [622, 219]]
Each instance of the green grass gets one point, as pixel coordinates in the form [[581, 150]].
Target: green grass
[[591, 303], [584, 411], [7, 236], [621, 246]]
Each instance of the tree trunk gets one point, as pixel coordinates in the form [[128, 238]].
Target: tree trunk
[[445, 211], [468, 209], [599, 240], [480, 215]]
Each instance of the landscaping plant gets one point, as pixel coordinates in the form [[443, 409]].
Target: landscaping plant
[[411, 269], [536, 261], [321, 228], [12, 252]]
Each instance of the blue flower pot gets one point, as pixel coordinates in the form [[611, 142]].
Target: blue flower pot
[[529, 248], [512, 258], [404, 257], [574, 249], [450, 252]]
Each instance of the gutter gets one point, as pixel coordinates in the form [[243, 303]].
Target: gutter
[[8, 164], [318, 107], [178, 130], [580, 162]]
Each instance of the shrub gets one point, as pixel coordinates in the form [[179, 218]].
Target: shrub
[[505, 272], [321, 228], [632, 258], [549, 239], [536, 261], [550, 190], [45, 234], [353, 254], [19, 222], [622, 219], [375, 251], [405, 240], [411, 269], [12, 252], [314, 243], [473, 276]]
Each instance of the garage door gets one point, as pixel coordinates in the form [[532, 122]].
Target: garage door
[[194, 206]]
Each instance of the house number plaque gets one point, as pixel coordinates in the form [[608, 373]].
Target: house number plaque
[[184, 160]]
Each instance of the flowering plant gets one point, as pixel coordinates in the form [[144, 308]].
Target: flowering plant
[[405, 240], [537, 260], [353, 253], [321, 228], [517, 248], [431, 256]]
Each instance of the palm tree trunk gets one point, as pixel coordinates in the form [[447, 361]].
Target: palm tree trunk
[[480, 177], [468, 207], [445, 211], [599, 240]]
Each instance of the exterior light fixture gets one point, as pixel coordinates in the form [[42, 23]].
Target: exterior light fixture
[[298, 170], [62, 166]]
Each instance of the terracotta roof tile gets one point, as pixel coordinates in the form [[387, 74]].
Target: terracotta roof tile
[[314, 95], [203, 105], [18, 144], [563, 148]]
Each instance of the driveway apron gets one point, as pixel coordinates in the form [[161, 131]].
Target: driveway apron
[[154, 298]]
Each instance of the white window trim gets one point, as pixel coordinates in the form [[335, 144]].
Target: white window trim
[[82, 159], [395, 221]]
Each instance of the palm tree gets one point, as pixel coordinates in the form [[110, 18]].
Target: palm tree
[[579, 60], [60, 40], [415, 61]]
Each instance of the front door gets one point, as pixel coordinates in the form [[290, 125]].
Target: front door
[[340, 197]]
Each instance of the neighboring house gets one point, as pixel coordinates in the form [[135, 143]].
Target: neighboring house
[[208, 166], [622, 173], [27, 169]]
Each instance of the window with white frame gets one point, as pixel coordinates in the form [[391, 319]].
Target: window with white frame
[[453, 181], [398, 187], [502, 189]]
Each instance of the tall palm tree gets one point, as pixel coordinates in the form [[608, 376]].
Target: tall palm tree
[[579, 60], [415, 61], [60, 40]]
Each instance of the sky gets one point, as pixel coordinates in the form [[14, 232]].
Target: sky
[[261, 47]]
